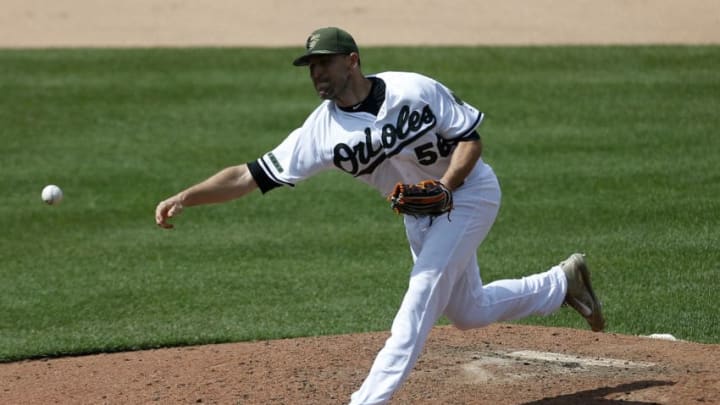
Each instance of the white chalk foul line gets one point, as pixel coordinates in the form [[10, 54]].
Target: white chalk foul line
[[531, 355]]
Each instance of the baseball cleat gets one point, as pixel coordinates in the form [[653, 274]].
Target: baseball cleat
[[580, 294]]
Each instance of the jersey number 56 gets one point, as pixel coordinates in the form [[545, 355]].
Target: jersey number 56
[[427, 154]]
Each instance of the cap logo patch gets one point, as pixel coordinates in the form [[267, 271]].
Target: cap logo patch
[[312, 41]]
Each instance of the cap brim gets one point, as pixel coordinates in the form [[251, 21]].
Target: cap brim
[[305, 59], [302, 61]]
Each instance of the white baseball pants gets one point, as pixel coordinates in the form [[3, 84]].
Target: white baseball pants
[[445, 280]]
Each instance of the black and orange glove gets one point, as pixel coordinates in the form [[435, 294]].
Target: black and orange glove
[[427, 198]]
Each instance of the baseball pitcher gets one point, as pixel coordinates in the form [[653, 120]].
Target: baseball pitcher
[[417, 143]]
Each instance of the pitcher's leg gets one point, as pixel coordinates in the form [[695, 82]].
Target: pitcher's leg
[[422, 306], [443, 248], [473, 305]]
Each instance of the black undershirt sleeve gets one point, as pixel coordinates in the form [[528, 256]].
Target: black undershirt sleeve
[[473, 136], [264, 182]]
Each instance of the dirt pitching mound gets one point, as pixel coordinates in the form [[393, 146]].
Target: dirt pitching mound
[[500, 364]]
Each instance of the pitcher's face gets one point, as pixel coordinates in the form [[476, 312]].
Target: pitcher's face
[[330, 75]]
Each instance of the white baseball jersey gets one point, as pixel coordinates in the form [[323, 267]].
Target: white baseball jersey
[[411, 139]]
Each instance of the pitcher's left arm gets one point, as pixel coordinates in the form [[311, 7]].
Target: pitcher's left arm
[[462, 161]]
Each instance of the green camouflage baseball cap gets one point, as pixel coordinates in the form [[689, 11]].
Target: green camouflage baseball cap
[[327, 41]]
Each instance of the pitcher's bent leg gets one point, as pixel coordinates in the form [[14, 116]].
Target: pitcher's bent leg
[[474, 305], [443, 248]]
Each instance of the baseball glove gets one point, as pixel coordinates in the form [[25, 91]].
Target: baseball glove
[[427, 198]]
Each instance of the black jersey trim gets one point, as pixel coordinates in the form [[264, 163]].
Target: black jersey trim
[[263, 177], [473, 136], [472, 133], [266, 168], [374, 100]]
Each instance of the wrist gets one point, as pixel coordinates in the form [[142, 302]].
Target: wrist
[[181, 198], [447, 184]]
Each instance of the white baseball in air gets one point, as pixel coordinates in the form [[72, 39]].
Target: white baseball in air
[[52, 194]]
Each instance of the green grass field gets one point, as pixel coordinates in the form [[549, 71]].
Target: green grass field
[[605, 150]]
